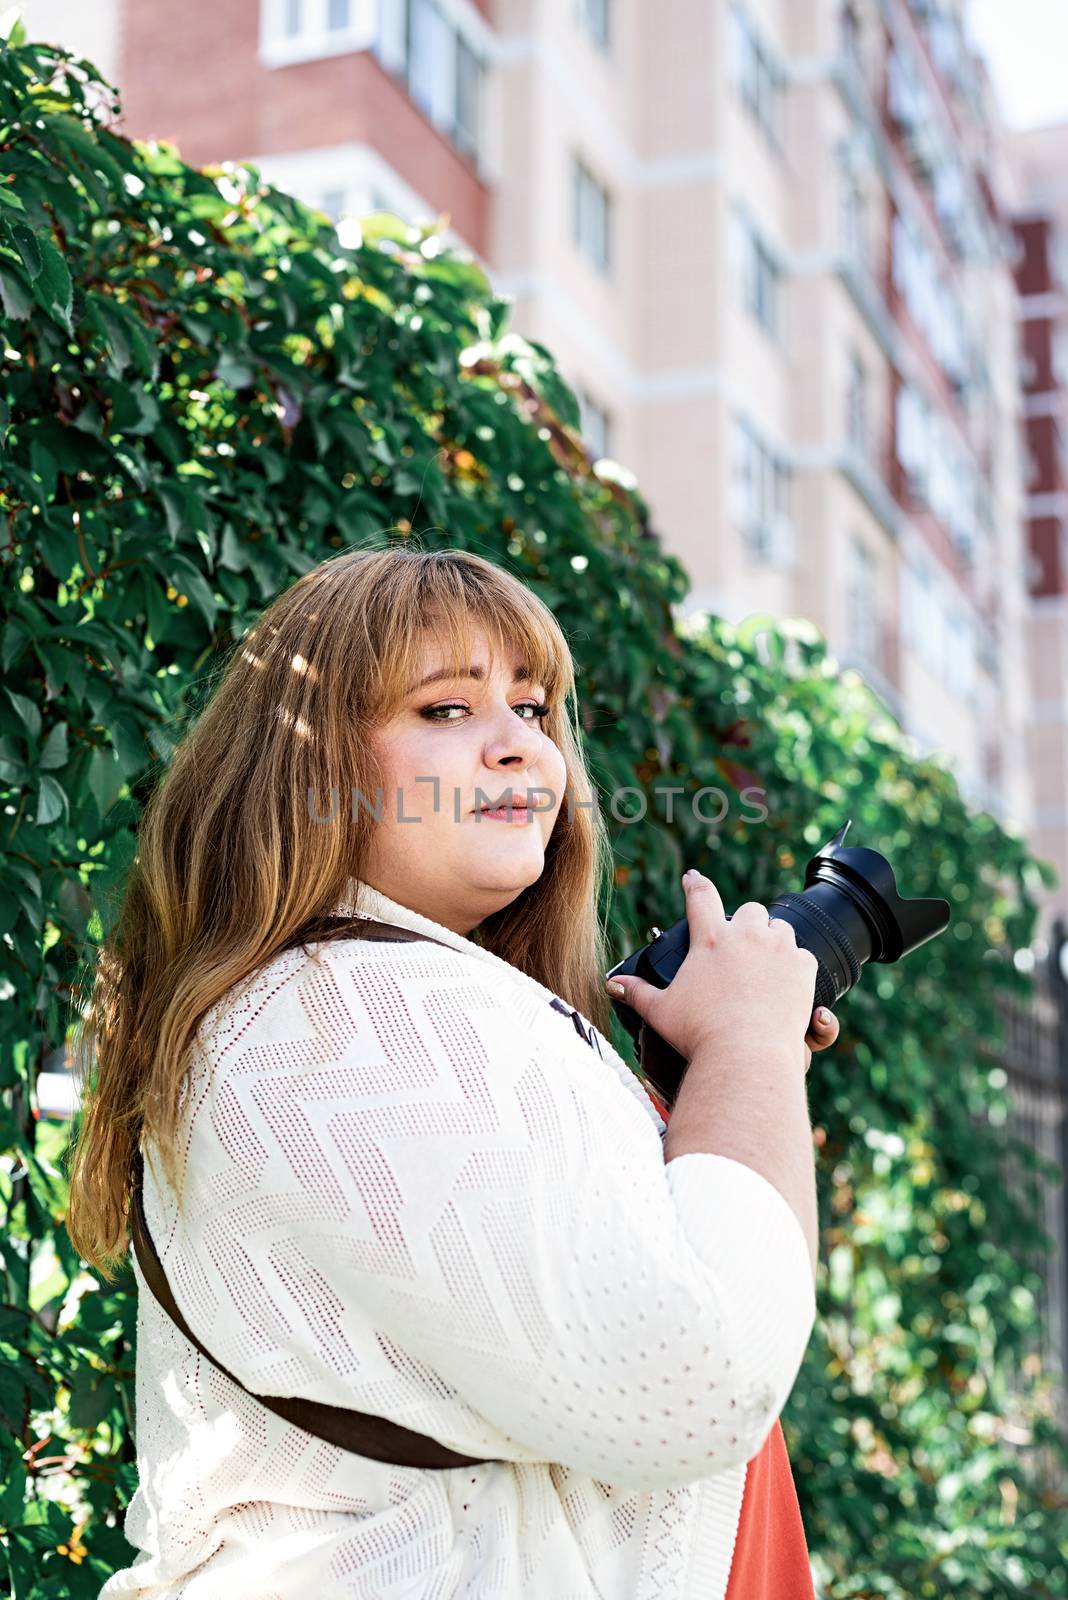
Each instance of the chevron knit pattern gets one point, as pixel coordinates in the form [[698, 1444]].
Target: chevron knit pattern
[[412, 1189]]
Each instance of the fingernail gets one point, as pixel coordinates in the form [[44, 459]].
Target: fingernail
[[615, 988], [823, 1017]]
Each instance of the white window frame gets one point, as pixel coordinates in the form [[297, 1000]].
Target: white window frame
[[591, 215], [281, 48], [761, 271], [596, 424], [858, 427], [459, 43], [862, 602], [595, 19], [757, 74], [760, 494], [454, 57]]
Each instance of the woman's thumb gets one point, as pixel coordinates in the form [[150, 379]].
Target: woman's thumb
[[635, 991]]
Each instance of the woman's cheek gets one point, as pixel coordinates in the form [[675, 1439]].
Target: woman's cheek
[[557, 783]]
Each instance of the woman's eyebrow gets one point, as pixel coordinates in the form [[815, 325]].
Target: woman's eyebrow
[[521, 675]]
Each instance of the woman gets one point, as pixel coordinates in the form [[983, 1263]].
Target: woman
[[392, 1177]]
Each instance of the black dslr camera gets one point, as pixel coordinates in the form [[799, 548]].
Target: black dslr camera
[[849, 912]]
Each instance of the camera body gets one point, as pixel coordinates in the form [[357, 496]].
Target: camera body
[[849, 913]]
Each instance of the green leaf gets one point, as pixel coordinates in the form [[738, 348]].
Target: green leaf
[[53, 289], [92, 1398], [29, 248], [72, 898], [120, 348], [87, 151], [51, 802], [232, 553], [157, 608], [136, 410], [129, 742], [15, 295], [43, 464], [12, 768], [105, 779], [14, 638], [236, 374], [187, 580], [29, 715], [54, 751]]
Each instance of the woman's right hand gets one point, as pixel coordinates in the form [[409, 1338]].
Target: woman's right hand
[[745, 986]]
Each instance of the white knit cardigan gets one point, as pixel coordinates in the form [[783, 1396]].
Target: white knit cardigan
[[413, 1190]]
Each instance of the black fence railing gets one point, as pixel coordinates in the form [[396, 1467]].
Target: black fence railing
[[1036, 1062]]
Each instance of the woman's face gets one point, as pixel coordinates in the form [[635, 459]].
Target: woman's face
[[453, 747]]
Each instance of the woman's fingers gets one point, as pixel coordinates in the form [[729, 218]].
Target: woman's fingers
[[821, 1033]]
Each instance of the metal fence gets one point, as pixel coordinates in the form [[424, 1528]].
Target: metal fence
[[1036, 1061]]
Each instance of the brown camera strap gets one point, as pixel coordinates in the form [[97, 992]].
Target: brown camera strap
[[359, 1432]]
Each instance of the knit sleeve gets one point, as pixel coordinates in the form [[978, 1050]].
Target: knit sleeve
[[404, 1151]]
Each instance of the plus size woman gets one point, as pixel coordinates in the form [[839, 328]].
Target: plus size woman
[[350, 1030]]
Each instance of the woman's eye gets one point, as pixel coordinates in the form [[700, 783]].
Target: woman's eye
[[431, 713], [539, 712]]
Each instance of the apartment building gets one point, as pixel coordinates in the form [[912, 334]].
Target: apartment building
[[1041, 263], [770, 244]]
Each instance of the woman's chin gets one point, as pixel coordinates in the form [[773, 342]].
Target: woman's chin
[[510, 864]]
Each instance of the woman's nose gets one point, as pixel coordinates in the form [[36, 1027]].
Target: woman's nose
[[517, 740]]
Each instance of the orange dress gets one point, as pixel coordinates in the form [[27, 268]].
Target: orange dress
[[770, 1554]]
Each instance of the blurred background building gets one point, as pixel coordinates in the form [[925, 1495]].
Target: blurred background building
[[771, 243], [1041, 268]]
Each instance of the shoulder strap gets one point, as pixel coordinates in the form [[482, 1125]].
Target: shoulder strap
[[359, 1432], [356, 1431]]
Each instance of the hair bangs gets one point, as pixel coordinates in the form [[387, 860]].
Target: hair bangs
[[448, 607]]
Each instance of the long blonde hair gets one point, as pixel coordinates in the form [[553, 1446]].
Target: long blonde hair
[[231, 866]]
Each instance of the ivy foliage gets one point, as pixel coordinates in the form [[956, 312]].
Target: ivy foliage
[[202, 394]]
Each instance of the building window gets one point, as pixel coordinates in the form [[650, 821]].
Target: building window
[[596, 425], [437, 64], [960, 654], [932, 301], [854, 218], [862, 620], [1060, 357], [855, 162], [756, 73], [759, 274], [923, 619], [912, 429], [858, 431], [760, 496], [849, 33], [468, 84], [391, 35], [592, 216], [300, 30], [594, 16], [939, 468], [1028, 369]]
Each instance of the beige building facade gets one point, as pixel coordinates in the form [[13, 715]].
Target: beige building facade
[[1041, 264], [801, 336]]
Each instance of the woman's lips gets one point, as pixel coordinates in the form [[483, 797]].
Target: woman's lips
[[519, 812]]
